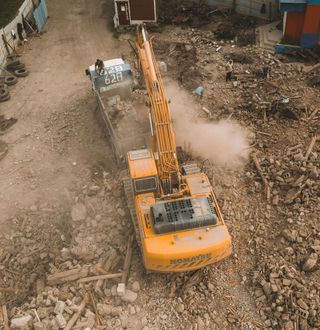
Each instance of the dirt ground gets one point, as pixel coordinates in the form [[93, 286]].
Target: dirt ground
[[62, 204]]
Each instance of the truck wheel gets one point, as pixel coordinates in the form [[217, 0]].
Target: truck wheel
[[10, 80], [21, 73]]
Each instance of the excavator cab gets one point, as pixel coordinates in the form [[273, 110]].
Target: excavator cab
[[143, 171]]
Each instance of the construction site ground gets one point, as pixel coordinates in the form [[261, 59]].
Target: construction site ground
[[62, 206]]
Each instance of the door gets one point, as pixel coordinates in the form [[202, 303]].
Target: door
[[123, 12], [142, 10]]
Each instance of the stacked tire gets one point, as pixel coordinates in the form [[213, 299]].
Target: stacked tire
[[4, 93], [14, 70], [17, 68]]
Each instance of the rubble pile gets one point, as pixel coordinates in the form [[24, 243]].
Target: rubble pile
[[285, 125], [293, 177], [57, 276], [287, 296], [65, 266]]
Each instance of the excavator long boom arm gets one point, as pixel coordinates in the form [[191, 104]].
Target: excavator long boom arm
[[164, 140]]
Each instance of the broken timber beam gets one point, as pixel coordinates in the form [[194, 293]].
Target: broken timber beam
[[105, 268], [127, 260], [313, 68], [67, 276], [99, 277], [311, 146], [264, 180], [75, 316], [4, 317]]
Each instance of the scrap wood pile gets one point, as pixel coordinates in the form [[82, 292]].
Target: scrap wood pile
[[59, 282]]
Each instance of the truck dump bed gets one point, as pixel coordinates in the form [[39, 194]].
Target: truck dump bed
[[123, 112]]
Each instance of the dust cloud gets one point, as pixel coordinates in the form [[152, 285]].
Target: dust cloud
[[224, 143]]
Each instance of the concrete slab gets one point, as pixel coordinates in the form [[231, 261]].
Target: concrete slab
[[268, 35]]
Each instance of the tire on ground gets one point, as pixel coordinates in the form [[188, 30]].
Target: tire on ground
[[11, 64], [4, 91], [10, 80], [21, 73], [11, 56], [16, 67], [5, 98]]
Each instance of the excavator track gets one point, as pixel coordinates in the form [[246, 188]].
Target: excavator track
[[128, 190]]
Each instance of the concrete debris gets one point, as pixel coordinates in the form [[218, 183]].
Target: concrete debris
[[23, 322], [311, 262], [135, 286], [78, 212], [121, 289], [271, 205], [129, 296]]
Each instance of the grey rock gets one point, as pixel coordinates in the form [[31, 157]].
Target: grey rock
[[129, 296], [61, 321], [267, 288], [302, 304], [78, 212], [23, 322], [59, 308], [121, 212], [121, 289], [290, 235], [39, 326], [289, 326], [180, 308], [286, 282], [310, 263], [135, 286]]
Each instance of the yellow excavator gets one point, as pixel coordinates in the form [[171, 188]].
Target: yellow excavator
[[177, 219]]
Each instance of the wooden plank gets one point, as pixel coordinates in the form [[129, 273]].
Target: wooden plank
[[106, 267], [265, 181], [5, 317], [75, 316], [67, 276], [127, 260], [99, 277], [311, 146]]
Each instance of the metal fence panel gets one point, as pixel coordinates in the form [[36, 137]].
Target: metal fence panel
[[41, 15]]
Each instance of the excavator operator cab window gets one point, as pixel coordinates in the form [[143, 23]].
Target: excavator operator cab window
[[148, 184]]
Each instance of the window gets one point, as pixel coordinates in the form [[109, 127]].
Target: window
[[146, 184]]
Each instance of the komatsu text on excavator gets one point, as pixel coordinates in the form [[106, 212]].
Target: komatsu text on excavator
[[177, 219]]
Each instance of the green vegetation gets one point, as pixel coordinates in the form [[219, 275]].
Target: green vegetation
[[8, 10]]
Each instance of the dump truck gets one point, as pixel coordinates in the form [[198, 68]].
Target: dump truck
[[177, 220], [118, 105]]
